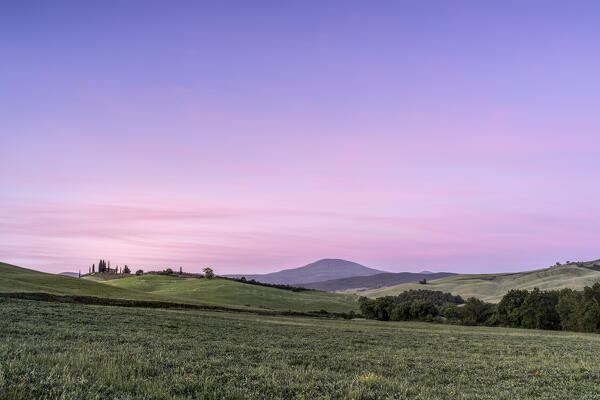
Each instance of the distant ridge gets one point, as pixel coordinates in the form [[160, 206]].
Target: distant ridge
[[322, 270], [71, 274], [491, 287], [359, 283]]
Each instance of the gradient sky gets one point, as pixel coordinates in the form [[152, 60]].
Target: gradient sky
[[253, 136]]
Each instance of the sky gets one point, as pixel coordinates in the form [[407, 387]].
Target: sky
[[455, 136]]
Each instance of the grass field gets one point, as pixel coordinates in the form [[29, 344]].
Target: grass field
[[16, 279], [65, 351], [218, 292], [234, 294], [491, 287]]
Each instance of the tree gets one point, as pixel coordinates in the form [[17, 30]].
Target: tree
[[591, 308], [126, 270], [208, 273], [180, 270], [539, 310], [509, 308], [93, 268], [476, 311], [570, 309], [401, 312], [423, 310], [139, 272]]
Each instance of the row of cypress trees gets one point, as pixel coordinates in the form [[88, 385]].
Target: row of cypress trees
[[104, 266]]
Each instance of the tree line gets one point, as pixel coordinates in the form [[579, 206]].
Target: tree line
[[565, 309], [104, 267]]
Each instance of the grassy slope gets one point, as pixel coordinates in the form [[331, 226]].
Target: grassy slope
[[235, 294], [16, 279], [491, 287], [55, 351], [177, 290]]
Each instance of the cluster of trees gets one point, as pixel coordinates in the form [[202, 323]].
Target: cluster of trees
[[104, 266], [565, 309], [436, 297], [208, 273], [419, 305], [273, 285]]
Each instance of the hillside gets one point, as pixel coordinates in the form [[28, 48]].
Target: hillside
[[218, 292], [234, 294], [359, 283], [491, 287], [322, 270], [15, 279]]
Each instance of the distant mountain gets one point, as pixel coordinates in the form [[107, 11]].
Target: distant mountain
[[71, 274], [322, 270], [358, 283], [426, 272]]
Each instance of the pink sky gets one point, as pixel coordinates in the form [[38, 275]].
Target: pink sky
[[254, 140]]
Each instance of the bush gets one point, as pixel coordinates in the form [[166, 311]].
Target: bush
[[139, 272]]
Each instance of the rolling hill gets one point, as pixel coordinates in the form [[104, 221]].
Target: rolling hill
[[491, 287], [322, 270], [359, 283], [235, 294], [15, 279], [219, 292]]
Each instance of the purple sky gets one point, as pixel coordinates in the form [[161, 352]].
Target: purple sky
[[252, 136]]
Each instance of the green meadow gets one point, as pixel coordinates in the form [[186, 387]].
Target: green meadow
[[235, 294], [73, 351]]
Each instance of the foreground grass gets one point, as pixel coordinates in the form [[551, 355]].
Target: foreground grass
[[64, 351]]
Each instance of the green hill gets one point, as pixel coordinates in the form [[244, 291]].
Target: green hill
[[15, 279], [491, 287], [235, 294], [218, 292]]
